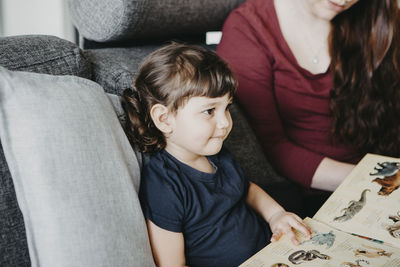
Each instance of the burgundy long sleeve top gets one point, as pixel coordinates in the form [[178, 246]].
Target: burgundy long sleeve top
[[288, 106]]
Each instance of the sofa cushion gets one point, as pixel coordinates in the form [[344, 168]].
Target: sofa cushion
[[115, 68], [116, 20], [43, 54], [75, 175]]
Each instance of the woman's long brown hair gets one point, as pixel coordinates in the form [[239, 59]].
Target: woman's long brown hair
[[365, 55]]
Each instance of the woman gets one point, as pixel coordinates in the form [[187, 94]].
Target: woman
[[319, 80]]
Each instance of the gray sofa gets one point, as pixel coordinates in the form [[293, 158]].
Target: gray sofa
[[114, 37]]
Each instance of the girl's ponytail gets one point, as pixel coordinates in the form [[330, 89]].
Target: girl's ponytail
[[140, 129]]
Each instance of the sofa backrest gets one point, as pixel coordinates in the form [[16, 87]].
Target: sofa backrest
[[130, 21]]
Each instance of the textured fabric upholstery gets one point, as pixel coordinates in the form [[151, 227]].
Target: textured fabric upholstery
[[43, 54], [116, 20], [13, 246], [116, 68]]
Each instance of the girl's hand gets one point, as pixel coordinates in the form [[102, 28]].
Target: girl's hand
[[283, 223]]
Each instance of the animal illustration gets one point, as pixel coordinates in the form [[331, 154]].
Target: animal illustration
[[353, 208], [391, 177], [394, 229], [279, 265], [357, 264], [301, 256], [322, 238], [386, 169], [372, 252]]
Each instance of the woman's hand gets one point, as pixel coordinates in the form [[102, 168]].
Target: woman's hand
[[283, 223]]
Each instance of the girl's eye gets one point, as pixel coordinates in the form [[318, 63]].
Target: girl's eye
[[209, 111]]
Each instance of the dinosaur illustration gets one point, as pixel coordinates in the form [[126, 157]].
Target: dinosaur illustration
[[353, 208], [394, 228], [372, 252], [322, 238], [357, 264], [301, 256], [386, 169], [391, 177]]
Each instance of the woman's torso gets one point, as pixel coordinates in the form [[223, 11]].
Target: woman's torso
[[301, 97]]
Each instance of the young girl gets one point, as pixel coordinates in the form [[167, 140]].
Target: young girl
[[199, 206]]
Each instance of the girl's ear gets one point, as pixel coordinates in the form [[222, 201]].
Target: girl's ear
[[160, 115]]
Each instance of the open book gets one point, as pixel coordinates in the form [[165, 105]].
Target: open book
[[358, 226]]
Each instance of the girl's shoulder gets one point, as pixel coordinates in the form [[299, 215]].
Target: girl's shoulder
[[160, 166]]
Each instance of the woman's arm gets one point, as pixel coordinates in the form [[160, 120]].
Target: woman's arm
[[280, 221], [330, 173], [168, 247]]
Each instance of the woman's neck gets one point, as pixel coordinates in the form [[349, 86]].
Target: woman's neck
[[305, 33], [305, 11]]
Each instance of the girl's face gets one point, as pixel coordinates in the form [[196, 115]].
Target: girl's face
[[328, 9], [200, 127]]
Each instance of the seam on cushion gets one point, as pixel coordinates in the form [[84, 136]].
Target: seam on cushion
[[79, 55], [68, 54]]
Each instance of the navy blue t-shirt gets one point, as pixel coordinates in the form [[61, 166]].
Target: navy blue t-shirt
[[219, 228]]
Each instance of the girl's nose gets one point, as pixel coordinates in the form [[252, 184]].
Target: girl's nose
[[224, 120]]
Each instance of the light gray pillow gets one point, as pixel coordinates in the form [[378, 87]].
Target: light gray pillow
[[76, 176]]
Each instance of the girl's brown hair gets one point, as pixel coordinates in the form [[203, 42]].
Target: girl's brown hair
[[365, 54], [170, 76]]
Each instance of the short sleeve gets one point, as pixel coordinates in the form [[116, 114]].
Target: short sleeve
[[161, 198]]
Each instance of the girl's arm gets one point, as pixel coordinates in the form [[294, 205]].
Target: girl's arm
[[168, 247], [279, 220], [330, 173]]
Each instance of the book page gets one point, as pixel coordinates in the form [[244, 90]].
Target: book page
[[368, 201], [327, 247]]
